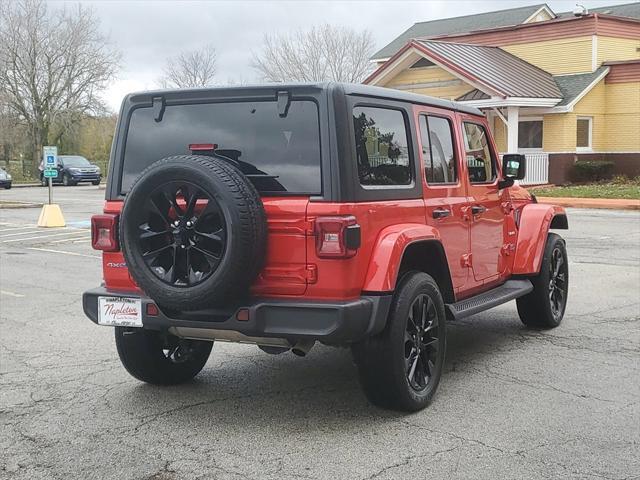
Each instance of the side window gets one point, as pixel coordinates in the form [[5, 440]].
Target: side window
[[437, 150], [480, 163], [381, 146]]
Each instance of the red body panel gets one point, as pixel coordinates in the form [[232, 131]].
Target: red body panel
[[481, 250], [387, 254], [535, 220]]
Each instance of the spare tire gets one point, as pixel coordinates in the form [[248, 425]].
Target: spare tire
[[193, 232]]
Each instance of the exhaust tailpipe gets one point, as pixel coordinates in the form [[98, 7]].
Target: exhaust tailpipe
[[302, 347]]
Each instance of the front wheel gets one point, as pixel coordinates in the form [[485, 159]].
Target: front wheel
[[97, 182], [544, 307], [67, 181], [400, 368], [160, 359]]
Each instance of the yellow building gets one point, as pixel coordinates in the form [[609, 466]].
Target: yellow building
[[556, 87]]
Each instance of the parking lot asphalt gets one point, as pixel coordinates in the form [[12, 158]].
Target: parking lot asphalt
[[513, 402]]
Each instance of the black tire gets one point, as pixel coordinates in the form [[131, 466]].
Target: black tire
[[385, 362], [97, 182], [160, 359], [241, 217], [67, 182], [7, 187], [544, 308]]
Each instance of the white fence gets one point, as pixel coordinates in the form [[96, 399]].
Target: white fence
[[537, 169]]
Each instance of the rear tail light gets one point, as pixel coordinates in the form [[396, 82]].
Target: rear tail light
[[104, 232], [337, 237]]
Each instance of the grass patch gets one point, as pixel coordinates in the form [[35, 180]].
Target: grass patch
[[629, 189]]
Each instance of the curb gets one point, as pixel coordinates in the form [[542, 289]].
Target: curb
[[24, 185], [13, 205], [604, 203]]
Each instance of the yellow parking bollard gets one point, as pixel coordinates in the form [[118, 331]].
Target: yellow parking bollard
[[51, 216]]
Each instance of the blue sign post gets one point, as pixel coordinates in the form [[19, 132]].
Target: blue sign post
[[51, 215], [50, 164]]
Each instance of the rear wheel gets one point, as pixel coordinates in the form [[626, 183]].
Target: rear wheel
[[400, 368], [97, 182], [161, 359], [544, 307]]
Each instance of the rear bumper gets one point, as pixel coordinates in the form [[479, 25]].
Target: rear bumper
[[335, 322]]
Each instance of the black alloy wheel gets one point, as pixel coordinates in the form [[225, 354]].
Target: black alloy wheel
[[400, 368], [421, 342], [557, 283], [193, 232], [184, 235], [545, 306]]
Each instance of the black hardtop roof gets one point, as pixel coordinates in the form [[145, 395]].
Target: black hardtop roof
[[207, 93]]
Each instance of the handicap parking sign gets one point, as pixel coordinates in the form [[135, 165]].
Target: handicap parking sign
[[50, 157]]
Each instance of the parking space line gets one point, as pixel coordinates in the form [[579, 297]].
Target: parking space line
[[11, 294], [17, 228], [73, 239], [50, 250], [33, 230], [40, 237]]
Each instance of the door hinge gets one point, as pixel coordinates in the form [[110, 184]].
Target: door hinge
[[466, 260]]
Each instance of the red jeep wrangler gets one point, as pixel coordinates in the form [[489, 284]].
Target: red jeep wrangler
[[285, 215]]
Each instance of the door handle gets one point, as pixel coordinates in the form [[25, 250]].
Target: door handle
[[478, 209], [440, 213]]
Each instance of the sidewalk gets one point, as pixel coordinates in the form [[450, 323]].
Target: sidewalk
[[608, 203]]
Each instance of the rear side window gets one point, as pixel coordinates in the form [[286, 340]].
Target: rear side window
[[480, 163], [437, 150], [382, 148], [282, 154]]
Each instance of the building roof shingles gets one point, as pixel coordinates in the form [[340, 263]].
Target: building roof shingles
[[481, 21], [573, 85], [498, 69], [487, 20]]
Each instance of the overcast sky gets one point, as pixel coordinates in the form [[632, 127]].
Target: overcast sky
[[147, 32]]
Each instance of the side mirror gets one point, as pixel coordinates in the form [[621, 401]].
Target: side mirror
[[513, 168]]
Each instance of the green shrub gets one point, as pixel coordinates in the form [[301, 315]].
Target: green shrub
[[592, 170]]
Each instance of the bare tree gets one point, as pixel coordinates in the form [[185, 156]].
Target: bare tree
[[53, 65], [190, 68], [323, 53]]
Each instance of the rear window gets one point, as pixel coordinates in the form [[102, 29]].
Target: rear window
[[282, 154]]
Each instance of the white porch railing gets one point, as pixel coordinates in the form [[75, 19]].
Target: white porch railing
[[537, 169]]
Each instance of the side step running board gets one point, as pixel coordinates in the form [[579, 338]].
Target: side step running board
[[508, 291]]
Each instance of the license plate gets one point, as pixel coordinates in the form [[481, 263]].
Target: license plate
[[120, 311]]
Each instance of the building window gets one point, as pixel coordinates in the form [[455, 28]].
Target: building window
[[480, 161], [584, 133], [437, 150], [530, 134], [382, 146]]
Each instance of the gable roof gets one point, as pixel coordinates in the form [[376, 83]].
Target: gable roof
[[573, 86], [498, 70], [467, 23]]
